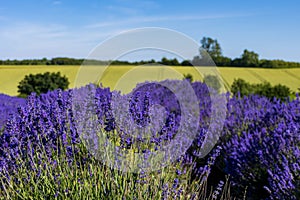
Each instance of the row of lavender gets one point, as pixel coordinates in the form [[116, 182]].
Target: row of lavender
[[8, 106], [260, 140]]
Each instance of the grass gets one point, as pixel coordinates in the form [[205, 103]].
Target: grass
[[114, 76]]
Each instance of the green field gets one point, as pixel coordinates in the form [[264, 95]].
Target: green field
[[125, 77]]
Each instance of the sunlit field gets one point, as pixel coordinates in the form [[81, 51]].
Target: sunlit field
[[10, 76]]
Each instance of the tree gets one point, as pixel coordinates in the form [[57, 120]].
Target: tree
[[171, 62], [250, 59], [186, 63], [209, 52], [42, 83], [223, 61], [267, 64], [174, 62], [212, 47], [203, 60]]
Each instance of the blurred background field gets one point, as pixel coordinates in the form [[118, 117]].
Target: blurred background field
[[112, 77]]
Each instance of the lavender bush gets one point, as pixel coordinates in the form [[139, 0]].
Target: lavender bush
[[8, 106], [50, 147], [261, 143]]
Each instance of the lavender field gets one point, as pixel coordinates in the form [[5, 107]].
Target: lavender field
[[149, 100], [49, 150]]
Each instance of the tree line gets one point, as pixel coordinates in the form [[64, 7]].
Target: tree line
[[210, 54], [211, 47], [248, 59], [74, 61]]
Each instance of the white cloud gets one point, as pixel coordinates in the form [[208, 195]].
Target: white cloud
[[31, 40], [145, 19], [28, 40], [29, 30]]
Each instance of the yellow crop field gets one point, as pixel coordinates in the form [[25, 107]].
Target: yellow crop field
[[124, 78]]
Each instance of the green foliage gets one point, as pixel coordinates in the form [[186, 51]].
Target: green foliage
[[188, 77], [186, 63], [278, 64], [42, 83], [66, 61], [171, 62], [212, 47], [213, 82], [210, 51], [244, 88], [248, 59], [281, 91], [222, 61]]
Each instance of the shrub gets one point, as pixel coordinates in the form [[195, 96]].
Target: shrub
[[281, 91], [213, 82], [261, 153], [188, 77], [42, 83], [265, 89]]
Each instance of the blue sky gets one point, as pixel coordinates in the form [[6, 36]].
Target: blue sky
[[51, 28]]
